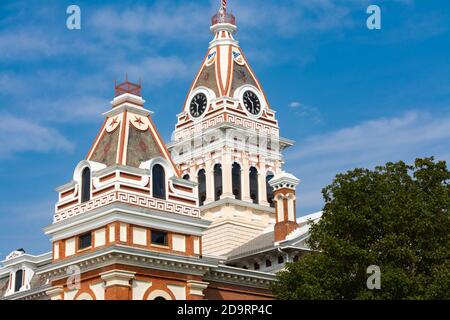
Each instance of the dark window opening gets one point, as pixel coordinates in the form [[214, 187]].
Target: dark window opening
[[217, 181], [86, 185], [244, 267], [280, 259], [268, 263], [85, 241], [269, 189], [236, 180], [295, 258], [254, 185], [201, 178], [159, 238], [256, 266], [159, 182], [18, 280], [186, 177]]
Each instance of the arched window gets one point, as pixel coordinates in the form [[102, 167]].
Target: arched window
[[186, 177], [254, 184], [159, 182], [160, 298], [201, 178], [18, 280], [269, 190], [86, 185], [268, 263], [236, 180], [217, 181]]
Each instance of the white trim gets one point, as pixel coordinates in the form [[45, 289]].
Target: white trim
[[159, 293]]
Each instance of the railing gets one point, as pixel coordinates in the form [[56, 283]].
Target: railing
[[127, 87], [223, 18]]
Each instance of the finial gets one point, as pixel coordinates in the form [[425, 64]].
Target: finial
[[127, 87], [222, 16]]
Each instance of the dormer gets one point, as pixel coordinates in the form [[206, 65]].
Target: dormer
[[20, 269]]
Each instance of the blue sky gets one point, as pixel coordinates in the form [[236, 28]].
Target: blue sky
[[349, 96]]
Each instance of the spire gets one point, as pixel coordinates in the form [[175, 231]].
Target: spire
[[128, 137], [222, 16]]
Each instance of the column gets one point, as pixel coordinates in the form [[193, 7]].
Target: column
[[209, 173], [262, 187], [117, 284], [193, 171], [226, 175], [245, 179]]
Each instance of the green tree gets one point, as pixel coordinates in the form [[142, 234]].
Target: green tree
[[395, 217]]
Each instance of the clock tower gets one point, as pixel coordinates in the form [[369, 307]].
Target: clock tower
[[227, 140]]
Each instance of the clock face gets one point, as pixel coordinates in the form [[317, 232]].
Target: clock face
[[251, 102], [198, 105]]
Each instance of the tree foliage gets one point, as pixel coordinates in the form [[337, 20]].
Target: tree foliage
[[395, 217]]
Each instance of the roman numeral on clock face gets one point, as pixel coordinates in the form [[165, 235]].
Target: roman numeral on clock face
[[251, 102], [198, 105]]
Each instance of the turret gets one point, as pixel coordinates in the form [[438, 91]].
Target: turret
[[284, 185]]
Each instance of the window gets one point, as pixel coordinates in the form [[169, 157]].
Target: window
[[18, 280], [269, 190], [217, 181], [86, 185], [280, 259], [159, 182], [236, 180], [256, 266], [186, 177], [201, 178], [254, 184], [295, 258], [159, 238], [84, 241], [268, 263], [245, 267]]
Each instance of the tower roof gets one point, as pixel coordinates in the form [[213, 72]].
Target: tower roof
[[128, 136], [224, 69]]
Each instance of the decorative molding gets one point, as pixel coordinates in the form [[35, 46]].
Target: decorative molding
[[117, 278], [196, 287], [55, 293], [128, 198]]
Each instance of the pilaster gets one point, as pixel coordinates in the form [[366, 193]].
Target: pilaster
[[117, 284], [196, 289]]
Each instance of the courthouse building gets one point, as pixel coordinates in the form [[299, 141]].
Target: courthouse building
[[210, 215]]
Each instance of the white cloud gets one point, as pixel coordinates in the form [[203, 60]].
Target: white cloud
[[317, 159], [163, 20], [157, 70], [305, 111], [20, 135]]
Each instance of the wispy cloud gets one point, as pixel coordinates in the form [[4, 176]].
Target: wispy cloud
[[158, 70], [305, 111], [319, 158], [20, 135]]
